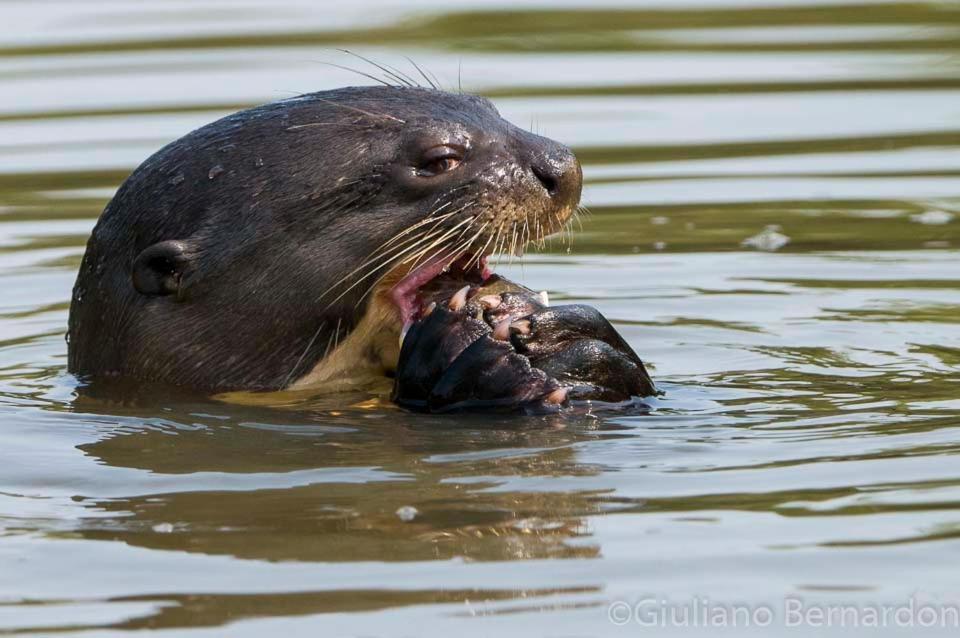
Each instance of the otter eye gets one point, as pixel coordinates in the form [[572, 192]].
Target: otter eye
[[439, 159]]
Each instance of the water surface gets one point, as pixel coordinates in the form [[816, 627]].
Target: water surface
[[774, 198]]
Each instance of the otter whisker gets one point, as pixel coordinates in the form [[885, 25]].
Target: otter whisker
[[473, 238], [375, 263], [562, 229], [432, 252], [435, 87], [513, 240], [435, 79], [517, 251], [382, 258], [434, 221], [449, 233], [327, 307], [449, 236], [425, 254], [417, 250], [326, 350], [358, 110], [497, 246], [357, 71], [403, 236], [479, 255], [390, 71], [450, 256], [405, 239], [458, 249], [320, 329], [454, 253], [404, 248], [354, 125], [576, 218], [429, 220], [296, 365], [381, 251], [503, 248]]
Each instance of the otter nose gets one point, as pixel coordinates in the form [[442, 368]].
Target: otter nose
[[558, 171]]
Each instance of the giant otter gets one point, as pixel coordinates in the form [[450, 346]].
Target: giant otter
[[290, 245]]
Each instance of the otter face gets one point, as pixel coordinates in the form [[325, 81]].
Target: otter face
[[288, 243], [469, 159]]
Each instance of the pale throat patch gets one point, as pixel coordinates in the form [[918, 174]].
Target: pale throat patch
[[368, 353]]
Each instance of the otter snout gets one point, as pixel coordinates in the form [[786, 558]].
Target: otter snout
[[556, 169]]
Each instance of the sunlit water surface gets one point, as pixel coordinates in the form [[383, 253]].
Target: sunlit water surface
[[774, 204]]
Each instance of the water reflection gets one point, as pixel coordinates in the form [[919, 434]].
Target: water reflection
[[373, 464]]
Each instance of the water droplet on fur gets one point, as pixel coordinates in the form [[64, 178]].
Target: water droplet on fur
[[216, 170]]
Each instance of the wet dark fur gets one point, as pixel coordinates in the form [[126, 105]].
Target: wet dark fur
[[272, 206]]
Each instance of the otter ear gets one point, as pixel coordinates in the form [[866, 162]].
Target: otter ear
[[159, 269]]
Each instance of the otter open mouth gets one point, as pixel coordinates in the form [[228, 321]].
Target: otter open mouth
[[472, 340], [436, 279]]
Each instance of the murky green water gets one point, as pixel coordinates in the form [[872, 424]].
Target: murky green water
[[807, 447]]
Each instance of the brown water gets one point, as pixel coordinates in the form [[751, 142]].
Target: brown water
[[807, 447]]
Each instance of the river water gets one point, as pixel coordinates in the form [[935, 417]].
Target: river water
[[774, 225]]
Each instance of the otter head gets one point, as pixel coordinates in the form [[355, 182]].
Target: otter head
[[249, 253]]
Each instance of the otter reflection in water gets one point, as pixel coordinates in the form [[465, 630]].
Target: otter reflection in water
[[294, 245], [322, 491]]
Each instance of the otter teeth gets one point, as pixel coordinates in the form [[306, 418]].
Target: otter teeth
[[544, 298], [522, 326], [502, 331], [459, 300]]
